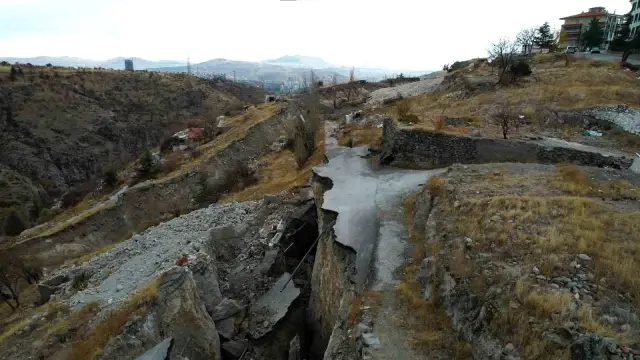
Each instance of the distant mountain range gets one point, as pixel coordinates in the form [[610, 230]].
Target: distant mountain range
[[286, 69], [115, 63]]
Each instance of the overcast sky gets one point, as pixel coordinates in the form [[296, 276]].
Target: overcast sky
[[396, 34]]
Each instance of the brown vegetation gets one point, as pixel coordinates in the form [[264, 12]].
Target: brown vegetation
[[586, 83], [515, 215], [89, 344]]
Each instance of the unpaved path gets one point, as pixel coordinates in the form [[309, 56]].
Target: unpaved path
[[370, 207], [428, 84]]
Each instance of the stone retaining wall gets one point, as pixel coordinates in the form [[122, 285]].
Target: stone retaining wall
[[420, 149]]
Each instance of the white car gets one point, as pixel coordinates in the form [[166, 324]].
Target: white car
[[571, 50]]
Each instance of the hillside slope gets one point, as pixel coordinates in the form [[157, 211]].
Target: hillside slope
[[63, 128]]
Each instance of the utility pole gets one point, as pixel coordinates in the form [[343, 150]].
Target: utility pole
[[234, 76], [188, 65]]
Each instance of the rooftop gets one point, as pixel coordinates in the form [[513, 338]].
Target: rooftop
[[593, 12]]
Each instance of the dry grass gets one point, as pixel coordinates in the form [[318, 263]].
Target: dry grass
[[358, 135], [570, 179], [93, 342], [279, 172], [544, 303], [435, 185], [517, 215], [428, 325], [77, 322], [240, 125], [587, 321], [584, 84]]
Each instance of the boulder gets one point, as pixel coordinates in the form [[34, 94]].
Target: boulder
[[181, 313], [56, 280], [227, 328], [226, 308], [205, 275], [45, 293], [235, 349], [592, 347], [221, 242], [294, 348], [272, 306], [162, 351]]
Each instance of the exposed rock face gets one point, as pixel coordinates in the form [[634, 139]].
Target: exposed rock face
[[94, 118], [272, 306], [150, 201], [161, 351], [594, 347], [416, 148], [182, 314], [18, 191], [205, 275]]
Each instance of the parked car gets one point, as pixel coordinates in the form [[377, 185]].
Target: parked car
[[571, 50], [595, 50]]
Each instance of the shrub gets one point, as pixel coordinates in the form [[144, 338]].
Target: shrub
[[435, 186], [438, 122], [147, 165], [80, 281], [110, 178], [13, 224], [73, 196], [519, 69], [402, 109]]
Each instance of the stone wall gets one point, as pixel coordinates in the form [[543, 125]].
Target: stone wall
[[415, 148], [333, 263]]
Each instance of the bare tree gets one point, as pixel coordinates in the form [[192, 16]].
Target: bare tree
[[525, 39], [350, 87], [503, 53], [334, 89], [10, 277], [302, 129]]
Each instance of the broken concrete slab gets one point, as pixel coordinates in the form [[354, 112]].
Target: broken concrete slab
[[236, 348], [272, 306], [226, 308], [364, 199], [269, 259], [221, 241], [635, 167], [162, 351]]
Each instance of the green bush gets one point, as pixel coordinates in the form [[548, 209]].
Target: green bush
[[147, 166], [110, 178], [13, 224], [80, 281]]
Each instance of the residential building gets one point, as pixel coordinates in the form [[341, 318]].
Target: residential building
[[635, 18], [577, 24], [128, 65]]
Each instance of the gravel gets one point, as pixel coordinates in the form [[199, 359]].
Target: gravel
[[130, 265], [428, 84], [627, 119]]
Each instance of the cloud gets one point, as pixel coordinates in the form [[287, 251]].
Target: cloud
[[407, 34]]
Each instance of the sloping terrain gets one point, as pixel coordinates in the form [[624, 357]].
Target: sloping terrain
[[63, 128], [503, 248]]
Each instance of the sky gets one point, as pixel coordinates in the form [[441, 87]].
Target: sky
[[392, 34]]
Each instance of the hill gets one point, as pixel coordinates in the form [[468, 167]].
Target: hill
[[115, 63], [60, 129], [299, 61]]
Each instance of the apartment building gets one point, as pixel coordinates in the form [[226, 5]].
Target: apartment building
[[575, 25], [635, 17]]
